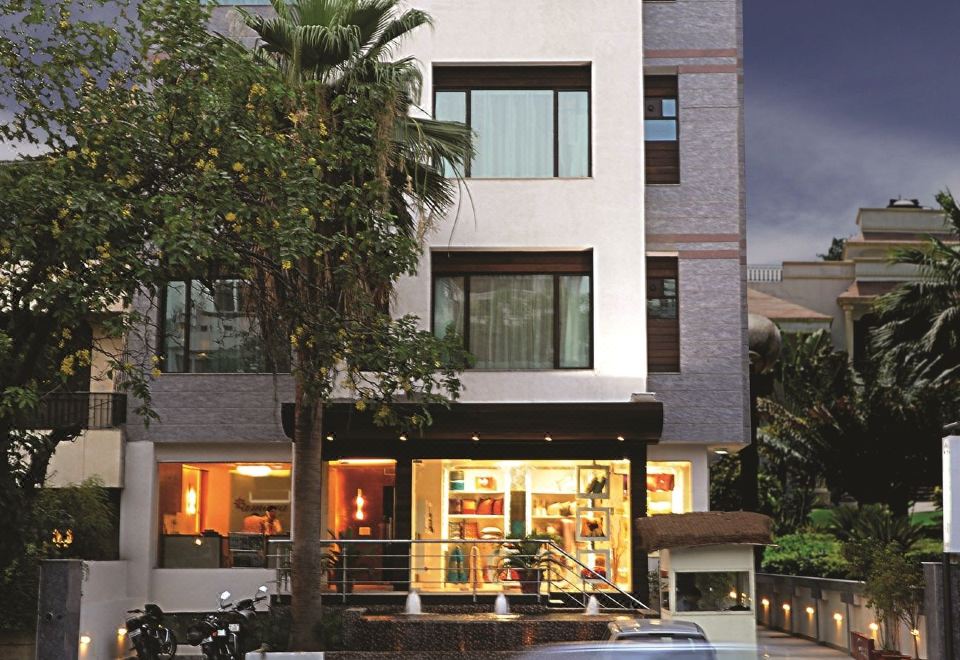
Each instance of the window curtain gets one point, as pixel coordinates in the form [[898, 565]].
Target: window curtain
[[450, 106], [511, 321], [174, 324], [448, 305], [574, 321], [573, 118], [514, 133]]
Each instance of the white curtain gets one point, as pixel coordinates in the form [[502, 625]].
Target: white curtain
[[573, 119], [574, 321], [511, 321], [448, 305], [514, 133]]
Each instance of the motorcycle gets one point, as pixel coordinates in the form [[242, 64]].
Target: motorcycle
[[151, 639], [228, 633]]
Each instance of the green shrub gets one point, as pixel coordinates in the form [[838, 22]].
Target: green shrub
[[810, 554]]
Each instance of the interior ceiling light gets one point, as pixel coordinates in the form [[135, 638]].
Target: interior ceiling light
[[720, 452], [330, 437], [475, 437], [548, 438], [254, 470]]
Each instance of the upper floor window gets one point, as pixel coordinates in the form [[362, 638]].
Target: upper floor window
[[663, 315], [661, 127], [529, 121], [209, 327], [517, 310]]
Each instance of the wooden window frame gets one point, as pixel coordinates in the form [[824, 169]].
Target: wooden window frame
[[663, 268], [663, 88], [574, 78], [467, 264]]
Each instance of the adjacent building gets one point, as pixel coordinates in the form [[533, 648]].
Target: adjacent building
[[597, 274]]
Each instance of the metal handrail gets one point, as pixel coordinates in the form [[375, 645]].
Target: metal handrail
[[555, 579]]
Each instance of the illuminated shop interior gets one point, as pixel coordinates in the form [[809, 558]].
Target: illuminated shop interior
[[669, 487]]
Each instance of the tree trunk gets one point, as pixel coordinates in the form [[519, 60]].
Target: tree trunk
[[307, 556]]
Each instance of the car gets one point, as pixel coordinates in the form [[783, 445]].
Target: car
[[673, 649], [654, 630]]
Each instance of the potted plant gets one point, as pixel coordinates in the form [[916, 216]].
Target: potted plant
[[528, 557], [894, 590]]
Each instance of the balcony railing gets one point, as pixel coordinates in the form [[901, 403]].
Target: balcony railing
[[764, 273], [87, 410]]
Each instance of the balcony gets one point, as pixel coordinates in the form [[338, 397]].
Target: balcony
[[86, 410]]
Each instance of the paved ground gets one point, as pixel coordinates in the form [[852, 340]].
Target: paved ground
[[795, 646]]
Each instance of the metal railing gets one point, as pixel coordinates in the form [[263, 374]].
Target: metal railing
[[764, 273], [87, 410], [473, 567]]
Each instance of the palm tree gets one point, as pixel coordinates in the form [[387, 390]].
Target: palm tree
[[919, 332], [334, 51]]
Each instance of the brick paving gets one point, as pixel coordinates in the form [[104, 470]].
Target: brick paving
[[795, 647]]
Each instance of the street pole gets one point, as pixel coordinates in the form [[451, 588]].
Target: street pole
[[951, 532]]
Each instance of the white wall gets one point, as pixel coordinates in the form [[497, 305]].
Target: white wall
[[698, 456], [103, 607], [604, 212]]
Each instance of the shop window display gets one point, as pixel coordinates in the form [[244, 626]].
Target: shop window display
[[219, 515], [669, 487], [471, 506]]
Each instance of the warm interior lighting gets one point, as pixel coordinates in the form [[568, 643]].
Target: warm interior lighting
[[720, 452], [837, 617], [765, 602], [85, 639], [360, 501], [786, 607], [548, 438], [254, 470], [475, 437], [810, 611], [62, 539], [197, 542], [121, 632], [874, 627], [191, 502], [915, 632], [363, 461], [732, 594]]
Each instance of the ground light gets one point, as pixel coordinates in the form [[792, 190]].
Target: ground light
[[810, 611], [837, 617]]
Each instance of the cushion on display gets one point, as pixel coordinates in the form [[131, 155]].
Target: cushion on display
[[468, 506], [485, 507], [494, 531], [498, 507]]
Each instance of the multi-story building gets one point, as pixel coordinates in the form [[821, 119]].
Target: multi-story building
[[596, 273], [805, 296]]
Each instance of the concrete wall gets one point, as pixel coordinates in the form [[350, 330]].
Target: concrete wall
[[103, 608], [826, 599], [96, 453]]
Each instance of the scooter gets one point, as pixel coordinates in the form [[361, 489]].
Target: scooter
[[151, 639], [228, 633]]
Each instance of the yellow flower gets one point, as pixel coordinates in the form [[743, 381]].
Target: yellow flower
[[63, 25], [237, 167], [204, 77], [361, 405], [66, 366], [185, 135], [286, 264], [126, 211], [276, 224], [72, 155], [230, 216], [213, 151], [283, 174], [62, 213], [155, 372], [304, 210], [256, 89], [311, 161], [244, 178], [200, 164]]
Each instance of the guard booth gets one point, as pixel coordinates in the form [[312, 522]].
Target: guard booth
[[707, 569]]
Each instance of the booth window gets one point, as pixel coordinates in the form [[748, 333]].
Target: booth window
[[220, 515], [517, 310], [713, 591]]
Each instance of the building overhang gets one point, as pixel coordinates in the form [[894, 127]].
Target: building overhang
[[503, 430]]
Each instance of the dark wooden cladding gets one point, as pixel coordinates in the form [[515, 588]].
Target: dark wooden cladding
[[660, 87], [663, 335], [512, 77], [462, 263]]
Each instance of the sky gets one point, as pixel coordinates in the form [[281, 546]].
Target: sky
[[849, 103]]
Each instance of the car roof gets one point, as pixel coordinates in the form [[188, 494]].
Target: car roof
[[655, 627], [644, 650]]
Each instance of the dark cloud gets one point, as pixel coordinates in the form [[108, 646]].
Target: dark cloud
[[848, 103]]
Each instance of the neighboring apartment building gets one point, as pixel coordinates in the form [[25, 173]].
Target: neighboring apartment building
[[597, 274], [839, 295]]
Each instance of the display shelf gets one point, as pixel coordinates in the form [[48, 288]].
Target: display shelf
[[475, 492], [475, 515]]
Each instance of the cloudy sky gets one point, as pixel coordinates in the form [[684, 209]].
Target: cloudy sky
[[848, 103]]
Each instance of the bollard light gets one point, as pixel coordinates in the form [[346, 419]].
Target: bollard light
[[837, 617], [786, 607], [810, 611]]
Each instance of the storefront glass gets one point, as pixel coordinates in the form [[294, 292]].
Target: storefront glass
[[469, 507], [219, 515], [669, 487]]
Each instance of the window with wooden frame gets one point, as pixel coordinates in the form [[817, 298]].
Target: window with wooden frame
[[529, 121], [517, 310], [661, 128], [663, 315]]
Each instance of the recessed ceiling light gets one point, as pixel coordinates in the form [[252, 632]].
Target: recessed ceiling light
[[475, 437], [548, 438], [330, 437], [720, 452]]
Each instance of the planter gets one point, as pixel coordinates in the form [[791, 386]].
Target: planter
[[530, 579], [889, 655], [285, 655]]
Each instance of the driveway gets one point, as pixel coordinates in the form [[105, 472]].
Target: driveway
[[795, 647]]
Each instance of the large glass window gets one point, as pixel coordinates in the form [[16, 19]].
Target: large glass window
[[530, 122], [220, 515], [510, 315], [209, 327], [712, 591], [669, 487], [472, 508]]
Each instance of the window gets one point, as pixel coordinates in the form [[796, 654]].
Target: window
[[669, 487], [218, 515], [517, 310], [661, 129], [530, 122], [663, 323], [208, 327], [713, 591]]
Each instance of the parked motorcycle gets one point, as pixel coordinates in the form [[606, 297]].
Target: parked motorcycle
[[228, 633], [151, 639]]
